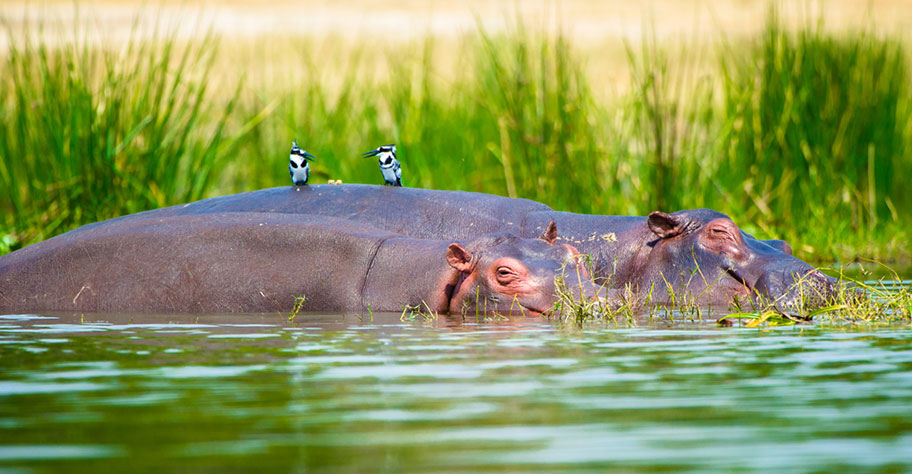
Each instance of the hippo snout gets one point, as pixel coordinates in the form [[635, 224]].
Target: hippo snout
[[789, 291], [585, 289]]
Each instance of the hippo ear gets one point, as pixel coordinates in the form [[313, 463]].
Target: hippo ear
[[550, 233], [665, 225], [779, 245], [459, 258]]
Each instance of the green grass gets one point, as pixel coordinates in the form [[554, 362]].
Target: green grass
[[88, 133], [299, 301], [817, 129], [885, 303], [857, 301], [802, 135]]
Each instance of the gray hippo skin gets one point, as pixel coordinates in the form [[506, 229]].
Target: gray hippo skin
[[699, 254], [257, 262]]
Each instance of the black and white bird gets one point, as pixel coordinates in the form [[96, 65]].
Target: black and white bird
[[297, 164], [389, 165]]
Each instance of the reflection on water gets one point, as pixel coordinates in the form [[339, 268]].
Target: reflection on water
[[337, 393]]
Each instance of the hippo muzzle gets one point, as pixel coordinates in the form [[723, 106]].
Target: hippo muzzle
[[790, 291]]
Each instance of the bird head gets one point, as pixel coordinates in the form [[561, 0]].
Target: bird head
[[301, 154], [385, 149], [386, 153]]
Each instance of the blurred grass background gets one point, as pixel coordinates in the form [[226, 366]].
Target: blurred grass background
[[795, 130]]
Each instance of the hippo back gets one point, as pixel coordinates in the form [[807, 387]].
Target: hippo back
[[419, 213], [229, 262]]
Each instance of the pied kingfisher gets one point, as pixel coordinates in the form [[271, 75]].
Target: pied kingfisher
[[389, 165], [297, 165]]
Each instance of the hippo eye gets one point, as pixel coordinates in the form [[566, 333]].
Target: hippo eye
[[505, 275], [721, 232]]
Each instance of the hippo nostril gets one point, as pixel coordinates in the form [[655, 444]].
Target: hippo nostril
[[732, 273]]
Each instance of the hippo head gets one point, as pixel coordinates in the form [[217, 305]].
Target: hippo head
[[503, 273], [703, 257]]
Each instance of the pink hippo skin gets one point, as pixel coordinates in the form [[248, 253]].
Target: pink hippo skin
[[257, 262], [698, 254]]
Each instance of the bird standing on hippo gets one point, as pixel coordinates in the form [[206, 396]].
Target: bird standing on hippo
[[257, 262], [699, 254], [390, 167], [298, 167]]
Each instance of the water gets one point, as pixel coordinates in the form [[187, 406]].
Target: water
[[336, 393]]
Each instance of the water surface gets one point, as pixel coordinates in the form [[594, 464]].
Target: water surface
[[335, 393]]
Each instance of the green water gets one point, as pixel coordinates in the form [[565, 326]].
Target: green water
[[333, 393]]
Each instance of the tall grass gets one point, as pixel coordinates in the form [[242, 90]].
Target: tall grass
[[817, 130], [795, 134], [517, 120], [669, 122], [90, 132]]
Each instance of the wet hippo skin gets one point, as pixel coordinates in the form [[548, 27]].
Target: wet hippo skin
[[256, 262]]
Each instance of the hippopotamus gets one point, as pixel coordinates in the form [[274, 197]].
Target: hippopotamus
[[697, 255], [258, 262]]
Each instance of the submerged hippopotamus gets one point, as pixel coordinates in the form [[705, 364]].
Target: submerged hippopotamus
[[698, 256], [257, 262]]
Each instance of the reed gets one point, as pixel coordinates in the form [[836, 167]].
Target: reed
[[816, 131], [90, 132]]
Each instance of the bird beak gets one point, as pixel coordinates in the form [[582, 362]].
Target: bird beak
[[309, 156], [371, 153]]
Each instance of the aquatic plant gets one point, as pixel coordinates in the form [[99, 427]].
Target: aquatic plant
[[299, 301], [851, 301]]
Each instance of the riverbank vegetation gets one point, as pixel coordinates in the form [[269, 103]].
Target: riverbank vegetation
[[854, 302], [797, 133]]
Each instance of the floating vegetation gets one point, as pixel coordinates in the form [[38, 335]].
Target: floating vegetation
[[850, 301], [299, 301], [418, 312]]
